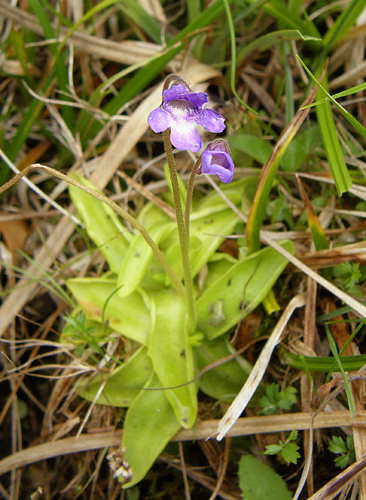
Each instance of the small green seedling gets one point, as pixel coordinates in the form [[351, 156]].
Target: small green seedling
[[286, 450], [349, 275], [274, 400], [346, 450]]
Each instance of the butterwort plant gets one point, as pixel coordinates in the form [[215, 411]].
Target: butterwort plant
[[168, 346], [178, 115]]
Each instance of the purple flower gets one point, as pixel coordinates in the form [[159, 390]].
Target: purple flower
[[181, 110], [216, 160]]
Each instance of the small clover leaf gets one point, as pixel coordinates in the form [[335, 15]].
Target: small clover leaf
[[346, 450], [287, 450], [273, 400]]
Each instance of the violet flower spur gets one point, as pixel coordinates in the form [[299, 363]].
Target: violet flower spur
[[216, 160], [181, 110]]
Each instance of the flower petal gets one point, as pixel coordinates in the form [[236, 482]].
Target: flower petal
[[183, 137], [218, 163], [197, 98], [174, 92], [179, 92], [158, 120], [212, 121]]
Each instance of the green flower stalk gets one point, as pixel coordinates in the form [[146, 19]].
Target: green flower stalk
[[181, 110]]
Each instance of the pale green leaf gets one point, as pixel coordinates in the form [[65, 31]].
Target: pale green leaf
[[101, 223], [124, 384], [240, 290], [137, 258], [256, 147], [149, 425], [172, 356], [128, 316], [224, 381]]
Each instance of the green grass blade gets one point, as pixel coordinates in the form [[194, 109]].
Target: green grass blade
[[193, 9], [351, 119], [142, 19], [233, 57], [260, 200], [344, 93], [321, 364], [343, 23], [29, 118], [60, 68], [347, 389], [269, 40], [277, 9], [316, 229], [332, 147]]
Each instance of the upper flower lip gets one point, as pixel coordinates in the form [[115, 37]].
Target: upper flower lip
[[179, 92], [181, 110]]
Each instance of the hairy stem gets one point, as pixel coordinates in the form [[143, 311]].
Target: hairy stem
[[183, 237], [190, 188]]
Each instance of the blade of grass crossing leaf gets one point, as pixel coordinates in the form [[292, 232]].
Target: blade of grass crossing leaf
[[348, 341], [260, 200], [60, 68], [264, 42], [347, 389], [352, 90], [344, 93], [342, 25], [316, 230], [352, 120], [233, 57], [142, 19]]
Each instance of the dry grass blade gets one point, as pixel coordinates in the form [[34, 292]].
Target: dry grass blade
[[203, 430], [333, 487], [126, 52], [40, 192], [256, 375]]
